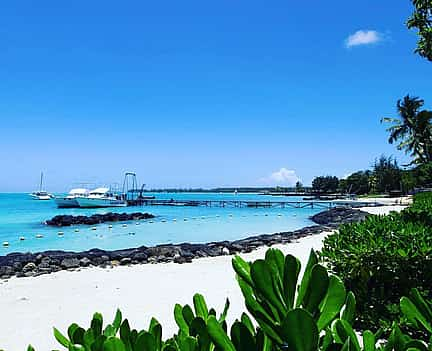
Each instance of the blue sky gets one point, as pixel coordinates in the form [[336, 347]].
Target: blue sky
[[197, 93]]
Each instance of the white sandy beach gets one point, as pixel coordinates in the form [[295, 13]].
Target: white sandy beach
[[32, 306]]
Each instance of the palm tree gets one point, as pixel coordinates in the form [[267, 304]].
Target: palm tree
[[413, 129]]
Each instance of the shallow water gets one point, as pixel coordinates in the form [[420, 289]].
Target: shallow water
[[21, 216]]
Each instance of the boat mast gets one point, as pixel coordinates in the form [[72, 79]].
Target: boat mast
[[41, 180]]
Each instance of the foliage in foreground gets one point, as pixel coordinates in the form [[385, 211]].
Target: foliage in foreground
[[307, 314], [382, 259]]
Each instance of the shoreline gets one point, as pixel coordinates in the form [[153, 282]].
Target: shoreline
[[46, 262], [32, 306]]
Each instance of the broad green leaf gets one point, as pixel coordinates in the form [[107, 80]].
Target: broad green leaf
[[200, 306], [291, 272], [117, 320], [332, 303], [262, 278], [241, 337], [368, 341], [312, 261], [247, 323], [96, 323], [242, 268], [178, 316], [145, 341], [300, 331], [61, 338], [225, 311], [113, 344], [218, 335], [187, 314], [343, 331], [349, 310], [317, 289], [413, 314]]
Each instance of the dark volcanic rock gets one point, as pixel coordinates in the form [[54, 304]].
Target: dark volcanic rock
[[339, 215], [28, 264], [68, 220], [70, 263]]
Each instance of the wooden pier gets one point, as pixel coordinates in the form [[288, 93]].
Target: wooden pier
[[250, 204]]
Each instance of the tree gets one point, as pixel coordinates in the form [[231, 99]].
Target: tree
[[299, 187], [421, 19], [413, 129], [325, 184], [386, 175], [357, 183]]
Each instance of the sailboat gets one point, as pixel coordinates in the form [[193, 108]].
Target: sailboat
[[41, 194]]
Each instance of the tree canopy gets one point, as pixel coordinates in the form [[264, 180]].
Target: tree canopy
[[421, 19], [413, 129]]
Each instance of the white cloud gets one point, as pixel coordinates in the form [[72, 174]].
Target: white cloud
[[283, 176], [363, 37]]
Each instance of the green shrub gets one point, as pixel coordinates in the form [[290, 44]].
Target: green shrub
[[313, 315], [420, 211], [382, 259]]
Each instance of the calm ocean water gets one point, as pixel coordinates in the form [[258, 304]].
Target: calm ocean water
[[22, 216]]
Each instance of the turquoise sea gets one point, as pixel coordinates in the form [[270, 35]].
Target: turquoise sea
[[22, 216]]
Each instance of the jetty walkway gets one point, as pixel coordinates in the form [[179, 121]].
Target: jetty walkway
[[252, 204]]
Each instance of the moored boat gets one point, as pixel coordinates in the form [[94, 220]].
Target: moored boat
[[70, 200], [41, 194], [101, 197]]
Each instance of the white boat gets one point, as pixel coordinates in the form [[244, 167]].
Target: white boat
[[41, 194], [70, 200], [101, 197]]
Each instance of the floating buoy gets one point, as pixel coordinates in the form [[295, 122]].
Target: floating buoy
[[266, 215], [5, 243], [137, 223], [279, 215], [110, 226], [76, 230], [60, 233], [131, 233], [163, 220], [124, 225], [175, 220], [39, 236], [22, 238], [217, 216], [93, 228], [151, 222], [185, 219], [203, 217], [230, 215]]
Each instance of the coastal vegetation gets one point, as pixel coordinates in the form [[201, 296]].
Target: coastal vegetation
[[382, 258]]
